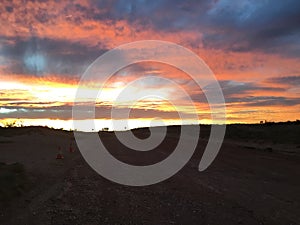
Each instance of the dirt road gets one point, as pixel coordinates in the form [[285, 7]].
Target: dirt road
[[244, 185]]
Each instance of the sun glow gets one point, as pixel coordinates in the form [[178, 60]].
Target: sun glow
[[41, 95]]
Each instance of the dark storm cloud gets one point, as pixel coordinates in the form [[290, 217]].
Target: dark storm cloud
[[239, 25], [38, 56], [245, 90], [65, 112], [163, 14], [230, 88], [269, 26], [271, 101], [264, 101], [289, 80], [233, 88]]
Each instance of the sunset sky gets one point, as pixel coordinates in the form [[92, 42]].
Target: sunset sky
[[252, 47]]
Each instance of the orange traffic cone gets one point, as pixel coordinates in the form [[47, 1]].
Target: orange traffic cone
[[71, 149], [59, 154]]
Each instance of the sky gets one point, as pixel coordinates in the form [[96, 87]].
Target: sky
[[252, 47]]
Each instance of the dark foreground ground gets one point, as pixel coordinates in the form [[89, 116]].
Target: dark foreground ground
[[254, 180]]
